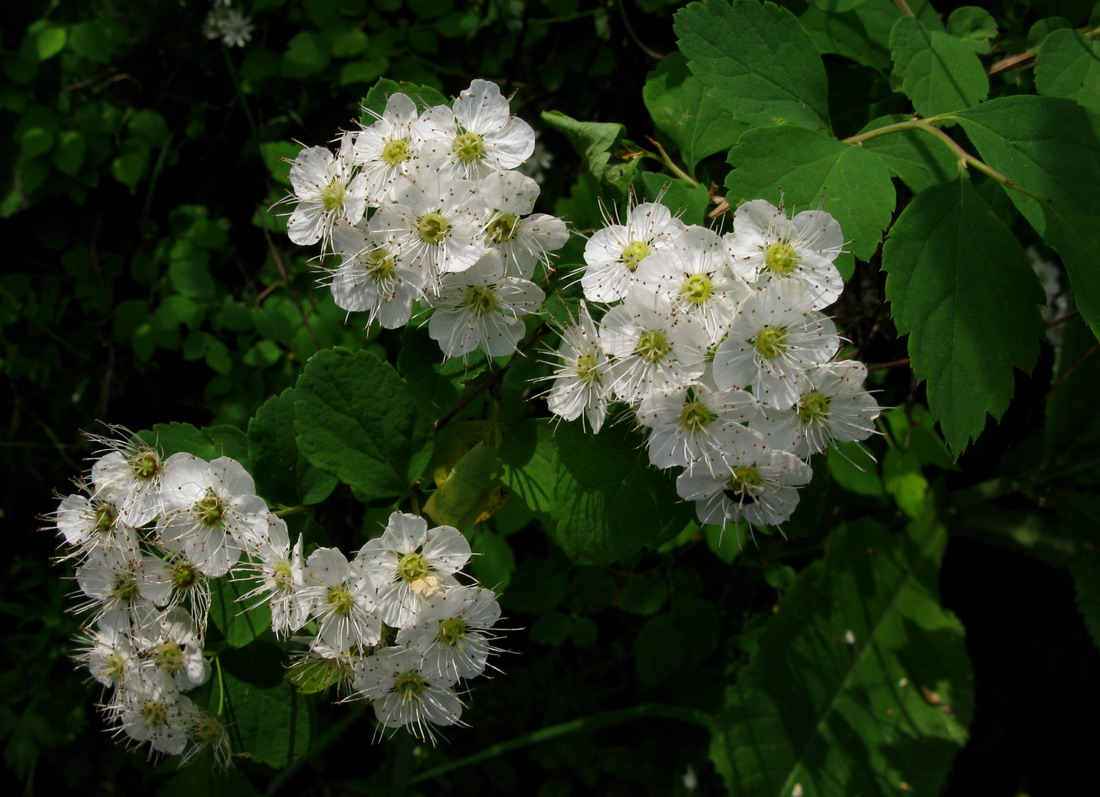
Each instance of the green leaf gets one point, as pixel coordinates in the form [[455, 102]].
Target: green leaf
[[1086, 584], [306, 55], [269, 722], [239, 622], [804, 169], [837, 6], [282, 474], [920, 160], [645, 594], [974, 26], [1068, 65], [351, 43], [688, 112], [48, 42], [469, 490], [1049, 147], [129, 168], [207, 443], [598, 497], [357, 420], [962, 289], [859, 684], [599, 143], [758, 61], [938, 72], [276, 155], [69, 154], [380, 93]]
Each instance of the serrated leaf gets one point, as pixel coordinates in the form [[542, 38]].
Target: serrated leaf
[[598, 497], [688, 112], [859, 684], [357, 419], [807, 169], [757, 59], [1068, 65], [1048, 147], [962, 289], [282, 474], [938, 72]]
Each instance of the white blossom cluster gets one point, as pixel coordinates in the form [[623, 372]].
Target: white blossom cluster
[[428, 207], [719, 345], [148, 533], [225, 22]]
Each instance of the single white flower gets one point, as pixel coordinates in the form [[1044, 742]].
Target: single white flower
[[775, 337], [403, 694], [385, 150], [614, 253], [691, 422], [652, 350], [411, 564], [326, 188], [343, 601], [478, 135], [481, 309], [580, 388], [523, 240], [767, 246], [452, 634], [747, 480]]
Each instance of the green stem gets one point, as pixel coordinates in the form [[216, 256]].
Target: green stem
[[237, 86], [962, 157], [672, 166], [586, 724], [291, 510]]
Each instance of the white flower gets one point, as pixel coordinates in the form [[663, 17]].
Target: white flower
[[451, 634], [614, 253], [129, 476], [774, 339], [579, 386], [767, 246], [691, 422], [651, 349], [170, 650], [747, 480], [522, 240], [162, 718], [481, 308], [89, 522], [435, 223], [123, 578], [694, 275], [327, 189], [403, 694], [281, 571], [385, 149], [411, 564], [373, 276], [832, 405], [211, 512], [343, 602], [478, 135]]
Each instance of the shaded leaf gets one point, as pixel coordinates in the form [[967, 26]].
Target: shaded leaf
[[598, 497], [1068, 65], [357, 419], [961, 287], [688, 112], [282, 474], [859, 684]]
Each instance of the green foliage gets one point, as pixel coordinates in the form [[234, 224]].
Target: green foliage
[[840, 665], [599, 500], [962, 343], [758, 62], [938, 71], [357, 420]]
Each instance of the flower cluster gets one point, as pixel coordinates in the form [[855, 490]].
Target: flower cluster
[[720, 346], [224, 22], [149, 533], [427, 207]]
